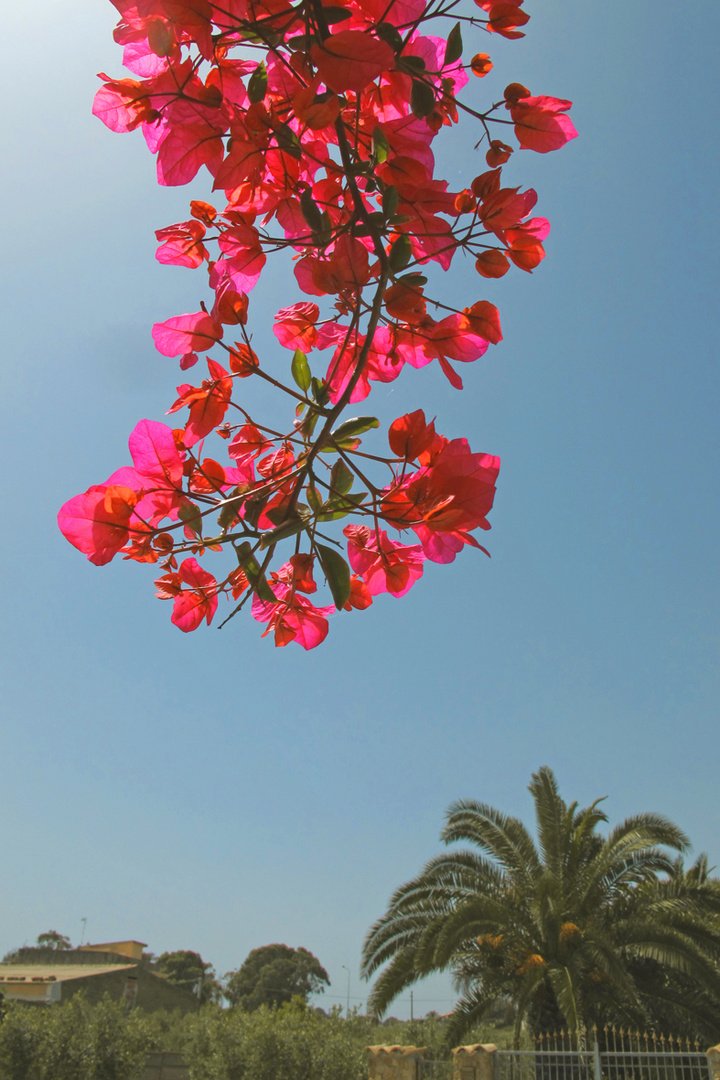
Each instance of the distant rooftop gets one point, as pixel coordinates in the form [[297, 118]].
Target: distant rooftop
[[131, 949], [19, 973]]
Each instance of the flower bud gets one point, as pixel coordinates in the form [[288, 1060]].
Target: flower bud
[[481, 64], [514, 92], [498, 153], [465, 202], [492, 264]]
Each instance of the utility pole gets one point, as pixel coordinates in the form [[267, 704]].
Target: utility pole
[[411, 1007], [84, 927], [347, 1010]]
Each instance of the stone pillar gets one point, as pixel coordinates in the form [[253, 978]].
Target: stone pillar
[[395, 1062], [713, 1056], [476, 1062]]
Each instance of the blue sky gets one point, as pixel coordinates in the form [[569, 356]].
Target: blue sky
[[214, 793]]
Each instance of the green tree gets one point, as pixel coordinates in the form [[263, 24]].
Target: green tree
[[52, 940], [274, 974], [188, 969], [579, 928], [49, 940]]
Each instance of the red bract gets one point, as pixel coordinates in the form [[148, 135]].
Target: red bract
[[351, 59], [96, 523], [383, 564], [322, 144], [449, 497], [208, 403], [181, 244], [191, 605], [291, 617], [540, 123], [186, 334]]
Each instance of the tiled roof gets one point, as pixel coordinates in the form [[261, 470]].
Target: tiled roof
[[19, 973]]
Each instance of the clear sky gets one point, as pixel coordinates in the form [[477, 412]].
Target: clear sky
[[211, 792]]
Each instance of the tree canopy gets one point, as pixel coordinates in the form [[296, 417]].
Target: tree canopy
[[274, 974], [578, 928], [51, 939], [188, 969]]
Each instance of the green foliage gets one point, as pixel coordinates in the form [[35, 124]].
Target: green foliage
[[189, 971], [574, 930], [273, 975], [52, 940], [73, 1041]]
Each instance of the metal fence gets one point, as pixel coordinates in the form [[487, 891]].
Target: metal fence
[[604, 1054]]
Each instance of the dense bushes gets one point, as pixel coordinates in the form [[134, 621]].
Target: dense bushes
[[74, 1041], [78, 1041]]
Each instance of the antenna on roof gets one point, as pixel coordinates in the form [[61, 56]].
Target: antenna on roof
[[84, 925]]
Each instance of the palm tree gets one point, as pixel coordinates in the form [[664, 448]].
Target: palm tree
[[579, 929]]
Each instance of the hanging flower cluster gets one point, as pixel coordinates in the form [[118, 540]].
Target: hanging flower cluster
[[316, 122]]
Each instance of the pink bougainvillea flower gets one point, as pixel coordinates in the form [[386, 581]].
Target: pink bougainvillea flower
[[295, 326], [208, 403], [410, 435], [244, 257], [383, 564], [292, 617], [189, 333], [451, 494], [191, 605], [540, 123], [181, 245], [122, 105], [351, 60], [96, 523]]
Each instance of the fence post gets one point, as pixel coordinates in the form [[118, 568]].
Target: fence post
[[713, 1056], [597, 1064], [476, 1062], [395, 1062]]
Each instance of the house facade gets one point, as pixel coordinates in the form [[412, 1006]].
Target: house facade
[[47, 976]]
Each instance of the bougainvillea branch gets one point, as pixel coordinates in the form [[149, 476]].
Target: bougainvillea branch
[[316, 123]]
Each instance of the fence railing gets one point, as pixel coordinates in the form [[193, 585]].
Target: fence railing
[[589, 1054]]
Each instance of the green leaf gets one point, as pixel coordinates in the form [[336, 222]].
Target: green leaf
[[257, 87], [313, 497], [229, 511], [412, 64], [337, 572], [319, 391], [291, 527], [335, 14], [339, 506], [254, 573], [307, 427], [189, 514], [413, 280], [341, 478], [301, 370], [356, 426], [390, 34], [311, 211], [381, 147], [300, 43], [390, 201], [287, 140], [422, 98], [400, 253], [454, 47], [346, 444]]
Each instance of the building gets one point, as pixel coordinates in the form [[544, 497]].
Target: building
[[45, 976]]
